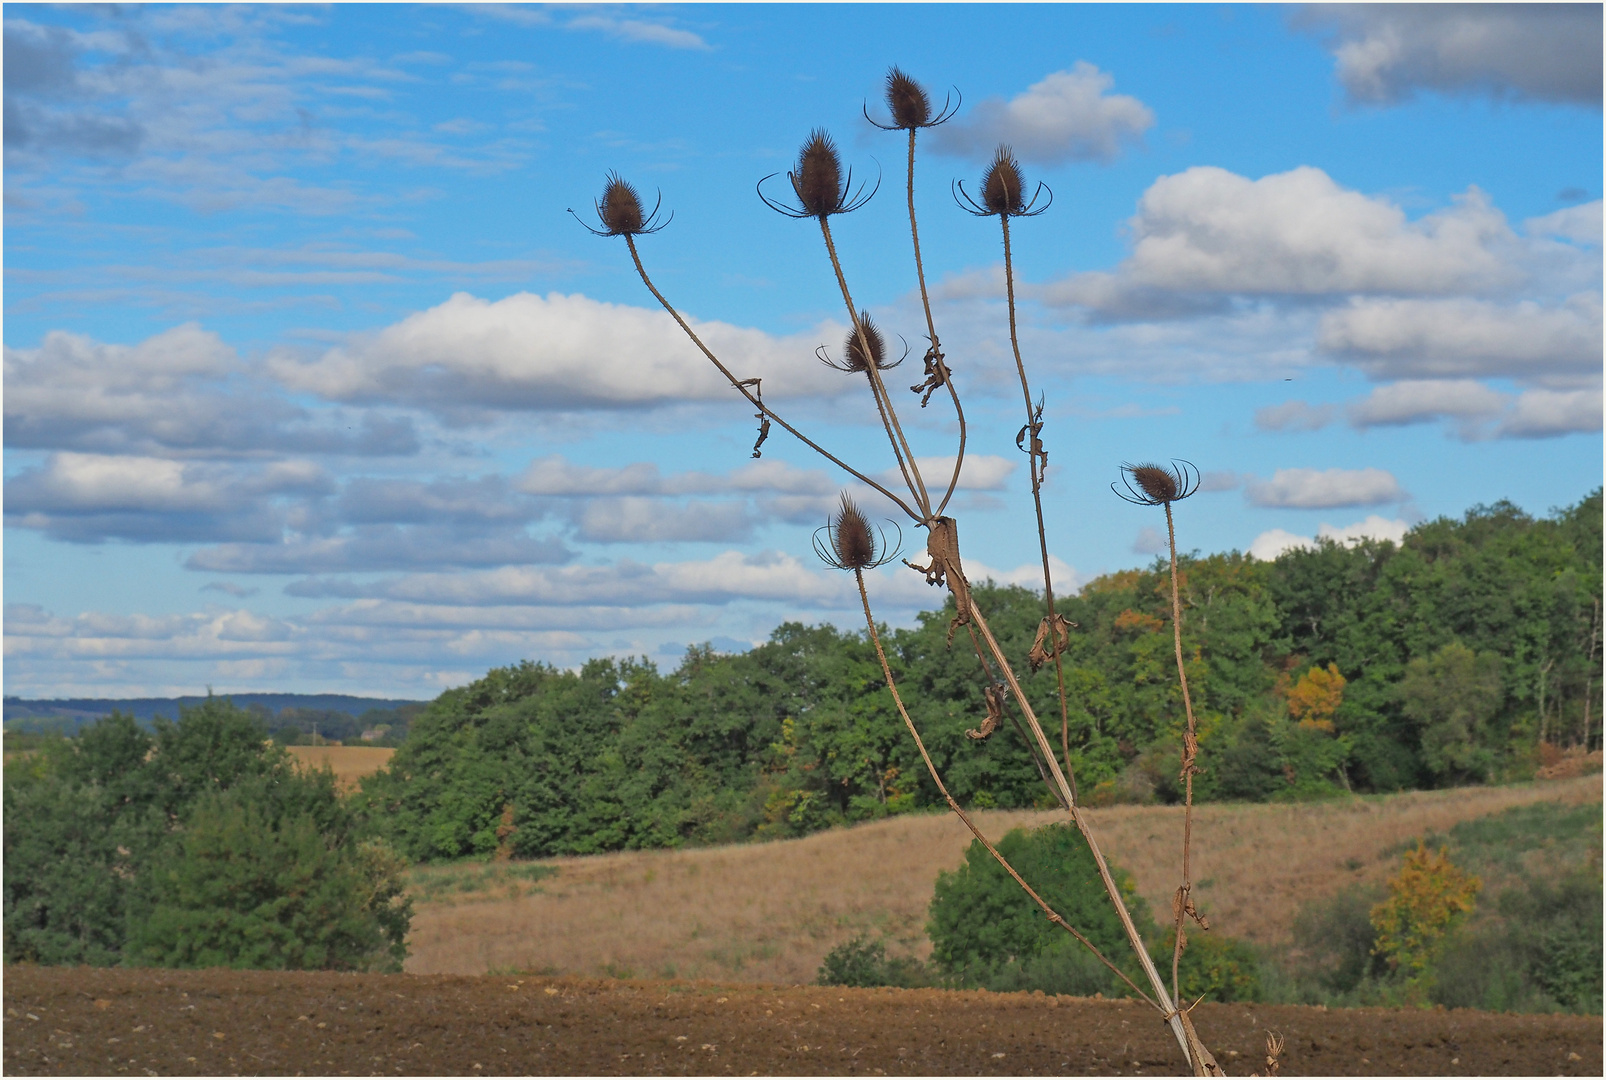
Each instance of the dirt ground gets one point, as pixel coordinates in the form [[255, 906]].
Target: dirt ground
[[108, 1021]]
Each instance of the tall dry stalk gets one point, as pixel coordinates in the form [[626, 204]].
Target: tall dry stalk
[[1151, 485], [822, 190]]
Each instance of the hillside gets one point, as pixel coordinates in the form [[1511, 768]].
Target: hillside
[[769, 912]]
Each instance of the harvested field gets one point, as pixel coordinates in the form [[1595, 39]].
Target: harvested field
[[770, 912], [108, 1021], [350, 763]]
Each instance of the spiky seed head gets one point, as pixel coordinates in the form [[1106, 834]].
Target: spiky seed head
[[907, 101], [1158, 483], [620, 208], [1002, 186], [818, 177], [851, 539], [854, 348]]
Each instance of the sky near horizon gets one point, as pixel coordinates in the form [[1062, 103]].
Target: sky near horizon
[[313, 383]]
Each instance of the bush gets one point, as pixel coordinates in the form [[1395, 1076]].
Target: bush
[[201, 845], [862, 961], [985, 931]]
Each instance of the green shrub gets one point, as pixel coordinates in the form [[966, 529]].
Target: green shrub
[[985, 931], [241, 888], [863, 961], [200, 845]]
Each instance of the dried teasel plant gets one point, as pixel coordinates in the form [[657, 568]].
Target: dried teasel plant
[[824, 189], [1149, 484]]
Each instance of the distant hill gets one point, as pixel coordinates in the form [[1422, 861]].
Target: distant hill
[[67, 715]]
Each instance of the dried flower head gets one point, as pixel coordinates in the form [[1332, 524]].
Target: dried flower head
[[849, 543], [819, 183], [909, 105], [1154, 485], [619, 210], [907, 101], [853, 348], [1003, 190]]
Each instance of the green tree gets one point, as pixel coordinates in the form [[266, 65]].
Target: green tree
[[1454, 695]]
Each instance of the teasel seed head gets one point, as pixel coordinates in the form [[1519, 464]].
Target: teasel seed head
[[1002, 186], [1003, 190], [907, 101], [619, 211], [818, 177], [1149, 484], [848, 542], [620, 207], [851, 538], [854, 358]]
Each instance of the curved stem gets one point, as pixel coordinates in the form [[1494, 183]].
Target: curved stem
[[1190, 753], [936, 778], [748, 394], [894, 430], [931, 331], [1037, 459]]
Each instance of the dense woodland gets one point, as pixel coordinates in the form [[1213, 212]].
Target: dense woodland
[[1447, 659]]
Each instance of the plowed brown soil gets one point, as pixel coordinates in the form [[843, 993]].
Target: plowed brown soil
[[76, 1021]]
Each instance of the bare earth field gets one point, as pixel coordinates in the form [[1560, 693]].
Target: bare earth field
[[770, 912], [110, 1021]]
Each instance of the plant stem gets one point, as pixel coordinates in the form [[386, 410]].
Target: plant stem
[[1190, 753], [931, 330], [917, 487], [748, 394], [936, 778], [1037, 459]]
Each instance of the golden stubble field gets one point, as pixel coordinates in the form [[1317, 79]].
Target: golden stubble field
[[770, 912], [350, 763]]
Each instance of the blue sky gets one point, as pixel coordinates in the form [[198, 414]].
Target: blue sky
[[312, 383]]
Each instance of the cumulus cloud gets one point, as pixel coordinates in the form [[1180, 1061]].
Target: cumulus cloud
[[1274, 542], [1394, 338], [1578, 224], [94, 497], [380, 547], [552, 353], [1415, 401], [635, 519], [1208, 231], [1068, 116], [1320, 489], [1293, 416], [1538, 414], [182, 391], [730, 576], [556, 475], [1386, 53], [981, 472]]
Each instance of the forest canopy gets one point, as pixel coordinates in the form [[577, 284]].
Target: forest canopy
[[1454, 657]]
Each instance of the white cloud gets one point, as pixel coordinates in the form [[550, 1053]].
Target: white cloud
[[1274, 542], [732, 575], [981, 472], [558, 352], [1293, 416], [1579, 224], [556, 475], [1210, 231], [1318, 489], [1387, 52], [1541, 413], [369, 548], [1068, 116], [635, 519], [1415, 401], [651, 33], [1391, 338], [182, 391], [1149, 541]]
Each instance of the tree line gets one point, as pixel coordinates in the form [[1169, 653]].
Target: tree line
[[1452, 657]]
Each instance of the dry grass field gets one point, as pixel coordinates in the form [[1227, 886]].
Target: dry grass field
[[770, 912], [350, 763]]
